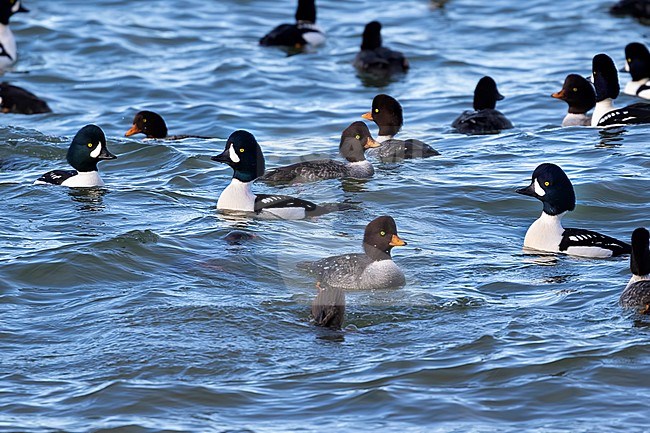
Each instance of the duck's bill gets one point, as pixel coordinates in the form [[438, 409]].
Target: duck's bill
[[529, 190], [222, 157], [367, 116], [370, 143], [105, 154], [395, 241], [559, 95], [134, 130]]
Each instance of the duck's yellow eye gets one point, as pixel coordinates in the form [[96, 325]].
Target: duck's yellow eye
[[383, 233], [595, 72], [358, 137], [629, 60], [547, 183], [376, 110], [241, 150], [144, 120], [90, 145], [575, 89]]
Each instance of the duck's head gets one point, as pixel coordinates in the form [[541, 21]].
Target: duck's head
[[637, 61], [149, 123], [244, 155], [371, 38], [640, 258], [380, 237], [552, 187], [578, 93], [387, 113], [486, 94], [10, 7], [88, 147], [605, 77], [306, 11], [355, 139]]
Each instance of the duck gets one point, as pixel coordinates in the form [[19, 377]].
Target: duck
[[152, 125], [636, 295], [328, 308], [552, 187], [387, 114], [639, 9], [579, 94], [605, 79], [373, 269], [375, 59], [244, 155], [8, 51], [14, 99], [303, 33], [485, 119], [88, 147], [355, 139], [637, 63]]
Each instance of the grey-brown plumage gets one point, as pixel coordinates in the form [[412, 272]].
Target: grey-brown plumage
[[328, 309], [355, 139], [636, 295]]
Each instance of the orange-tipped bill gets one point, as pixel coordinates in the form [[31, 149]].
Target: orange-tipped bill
[[367, 116], [134, 130], [395, 241], [370, 143], [559, 95]]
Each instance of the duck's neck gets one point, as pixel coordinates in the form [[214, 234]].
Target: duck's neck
[[603, 107], [576, 119], [545, 234], [382, 138], [237, 196]]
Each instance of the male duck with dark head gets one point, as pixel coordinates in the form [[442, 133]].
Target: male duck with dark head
[[14, 99], [605, 79], [88, 147], [303, 33], [152, 125], [376, 59], [579, 94], [244, 155], [637, 63], [355, 139], [370, 270], [636, 295], [386, 112], [8, 52], [552, 187], [485, 119]]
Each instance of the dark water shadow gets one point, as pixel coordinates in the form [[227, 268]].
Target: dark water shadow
[[612, 137], [88, 199]]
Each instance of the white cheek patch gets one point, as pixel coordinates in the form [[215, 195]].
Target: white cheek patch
[[538, 189], [95, 153], [15, 7], [627, 67], [233, 155]]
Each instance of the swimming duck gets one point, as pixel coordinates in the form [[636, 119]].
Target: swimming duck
[[14, 99], [581, 97], [605, 79], [328, 308], [88, 147], [552, 187], [8, 53], [639, 9], [386, 112], [374, 58], [637, 63], [303, 32], [370, 270], [485, 119], [637, 292], [355, 139], [245, 156], [152, 125]]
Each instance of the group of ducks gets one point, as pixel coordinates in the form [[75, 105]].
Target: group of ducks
[[374, 267]]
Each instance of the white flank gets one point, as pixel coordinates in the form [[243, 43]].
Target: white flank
[[573, 119], [603, 107], [314, 38], [633, 86], [545, 234], [84, 179]]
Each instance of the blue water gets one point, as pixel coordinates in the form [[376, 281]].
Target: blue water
[[125, 309]]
